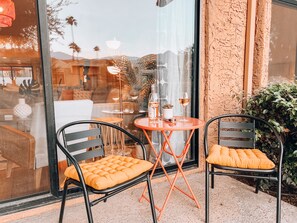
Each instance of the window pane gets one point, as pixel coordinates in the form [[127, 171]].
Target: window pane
[[23, 145], [113, 51], [283, 42]]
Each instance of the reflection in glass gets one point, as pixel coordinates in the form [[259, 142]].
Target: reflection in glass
[[23, 145], [140, 44], [283, 44]]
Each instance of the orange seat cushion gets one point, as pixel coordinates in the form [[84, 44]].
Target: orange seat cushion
[[81, 95], [109, 171], [240, 158]]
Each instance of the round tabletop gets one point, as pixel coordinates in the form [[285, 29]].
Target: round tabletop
[[191, 123], [124, 112]]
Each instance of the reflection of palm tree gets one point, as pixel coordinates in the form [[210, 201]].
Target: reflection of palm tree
[[75, 49], [96, 49], [71, 21]]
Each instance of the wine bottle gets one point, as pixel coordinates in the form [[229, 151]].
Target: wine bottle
[[153, 104]]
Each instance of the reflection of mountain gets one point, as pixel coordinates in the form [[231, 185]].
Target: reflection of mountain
[[146, 60], [63, 56]]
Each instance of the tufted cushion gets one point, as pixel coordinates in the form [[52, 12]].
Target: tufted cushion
[[80, 95], [109, 171], [241, 158]]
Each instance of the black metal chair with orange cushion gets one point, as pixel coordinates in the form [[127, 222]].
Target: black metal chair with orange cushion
[[238, 152], [108, 175]]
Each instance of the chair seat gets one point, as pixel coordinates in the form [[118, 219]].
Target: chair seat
[[239, 158], [109, 171]]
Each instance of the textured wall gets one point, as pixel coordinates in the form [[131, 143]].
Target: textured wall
[[225, 27], [223, 31]]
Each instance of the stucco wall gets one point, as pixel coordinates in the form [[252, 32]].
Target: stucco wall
[[225, 28], [223, 34], [223, 31]]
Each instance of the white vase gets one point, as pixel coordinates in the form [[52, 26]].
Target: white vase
[[22, 110], [167, 113]]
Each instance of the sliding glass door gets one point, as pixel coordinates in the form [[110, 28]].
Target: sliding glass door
[[111, 52], [23, 145]]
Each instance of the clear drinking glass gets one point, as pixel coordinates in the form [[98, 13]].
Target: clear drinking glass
[[184, 101]]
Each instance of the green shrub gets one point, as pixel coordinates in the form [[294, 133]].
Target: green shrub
[[278, 104]]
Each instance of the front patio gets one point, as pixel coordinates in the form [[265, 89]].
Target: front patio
[[231, 201]]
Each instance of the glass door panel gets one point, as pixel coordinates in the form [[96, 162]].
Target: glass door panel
[[283, 44], [23, 145], [111, 52]]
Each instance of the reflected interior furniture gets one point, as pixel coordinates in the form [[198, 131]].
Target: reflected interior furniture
[[109, 175], [236, 153], [167, 129], [75, 94], [7, 117], [29, 149], [69, 111], [113, 139], [17, 147], [105, 110]]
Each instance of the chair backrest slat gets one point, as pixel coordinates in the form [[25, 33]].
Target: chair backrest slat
[[82, 134], [236, 125], [236, 143], [88, 155], [236, 134], [84, 145]]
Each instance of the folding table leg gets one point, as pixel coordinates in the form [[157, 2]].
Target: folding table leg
[[179, 165], [158, 161]]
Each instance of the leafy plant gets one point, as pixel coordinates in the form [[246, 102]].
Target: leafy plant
[[30, 89], [278, 104], [167, 106]]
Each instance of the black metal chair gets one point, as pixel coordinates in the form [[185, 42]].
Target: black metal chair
[[82, 144], [235, 153]]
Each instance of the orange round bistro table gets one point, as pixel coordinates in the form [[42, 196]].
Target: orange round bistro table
[[160, 125], [166, 129]]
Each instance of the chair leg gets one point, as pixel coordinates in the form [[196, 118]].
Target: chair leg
[[152, 203], [212, 177], [87, 203], [63, 201], [257, 185], [105, 200], [206, 192], [279, 195]]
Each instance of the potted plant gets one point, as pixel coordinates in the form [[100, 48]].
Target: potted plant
[[167, 111]]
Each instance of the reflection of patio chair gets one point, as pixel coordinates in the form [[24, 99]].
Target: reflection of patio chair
[[113, 139], [236, 155], [109, 175]]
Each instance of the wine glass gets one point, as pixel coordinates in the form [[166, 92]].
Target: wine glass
[[184, 101], [116, 99]]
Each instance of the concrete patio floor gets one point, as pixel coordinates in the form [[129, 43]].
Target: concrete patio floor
[[231, 201]]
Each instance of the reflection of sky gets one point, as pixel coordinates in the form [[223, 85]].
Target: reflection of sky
[[133, 22]]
